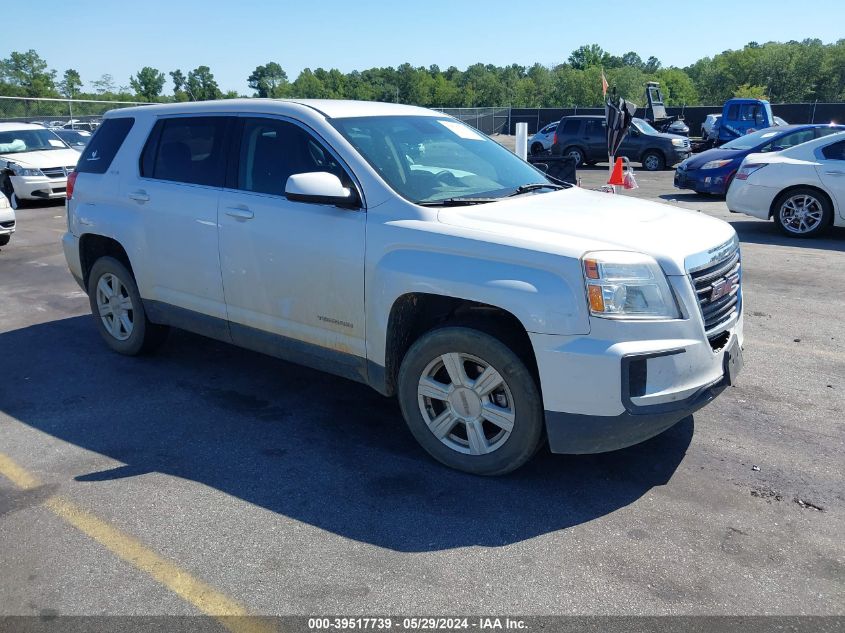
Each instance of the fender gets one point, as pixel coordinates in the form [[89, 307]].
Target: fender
[[544, 301]]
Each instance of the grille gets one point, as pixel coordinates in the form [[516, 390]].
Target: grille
[[57, 172], [717, 286], [8, 225]]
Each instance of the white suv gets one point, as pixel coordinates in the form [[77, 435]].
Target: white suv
[[34, 163], [396, 246]]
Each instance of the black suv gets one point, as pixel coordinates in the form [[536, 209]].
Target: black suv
[[584, 138]]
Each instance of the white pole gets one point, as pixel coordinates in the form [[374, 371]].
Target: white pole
[[521, 149]]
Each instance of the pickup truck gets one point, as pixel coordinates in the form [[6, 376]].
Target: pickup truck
[[398, 247], [743, 116]]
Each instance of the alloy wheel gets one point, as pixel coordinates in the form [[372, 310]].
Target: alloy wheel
[[466, 403], [801, 213], [114, 306]]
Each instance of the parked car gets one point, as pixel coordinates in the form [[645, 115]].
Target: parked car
[[76, 139], [34, 163], [779, 121], [802, 188], [584, 138], [713, 170], [88, 126], [543, 139], [708, 127], [396, 246], [7, 220]]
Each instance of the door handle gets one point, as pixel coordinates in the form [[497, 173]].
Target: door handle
[[835, 173], [139, 196], [241, 213]]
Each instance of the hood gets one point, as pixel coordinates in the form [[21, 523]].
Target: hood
[[574, 221], [696, 161], [45, 158]]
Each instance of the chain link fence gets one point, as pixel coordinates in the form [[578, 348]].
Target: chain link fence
[[487, 120], [48, 110]]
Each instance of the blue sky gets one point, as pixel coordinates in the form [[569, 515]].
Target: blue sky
[[232, 38]]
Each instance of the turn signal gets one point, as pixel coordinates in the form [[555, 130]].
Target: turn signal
[[596, 298]]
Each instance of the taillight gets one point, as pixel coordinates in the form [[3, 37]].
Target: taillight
[[554, 138], [71, 181], [746, 170]]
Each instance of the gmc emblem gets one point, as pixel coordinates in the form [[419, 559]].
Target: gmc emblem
[[721, 288]]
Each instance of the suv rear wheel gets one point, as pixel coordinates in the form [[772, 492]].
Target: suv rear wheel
[[653, 161], [470, 401], [118, 311], [576, 153]]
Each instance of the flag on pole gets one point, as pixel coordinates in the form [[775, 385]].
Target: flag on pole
[[604, 84]]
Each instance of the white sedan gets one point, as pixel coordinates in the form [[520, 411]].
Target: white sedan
[[802, 188], [7, 220]]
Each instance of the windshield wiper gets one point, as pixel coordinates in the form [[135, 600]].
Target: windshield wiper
[[534, 187], [457, 202]]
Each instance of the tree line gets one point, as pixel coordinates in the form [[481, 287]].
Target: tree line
[[782, 72]]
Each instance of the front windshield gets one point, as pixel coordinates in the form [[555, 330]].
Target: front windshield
[[750, 141], [643, 126], [19, 141], [430, 159]]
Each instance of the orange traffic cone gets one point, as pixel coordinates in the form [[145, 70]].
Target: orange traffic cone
[[616, 176]]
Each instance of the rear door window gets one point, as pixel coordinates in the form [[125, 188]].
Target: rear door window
[[571, 127], [190, 150], [102, 148], [595, 128]]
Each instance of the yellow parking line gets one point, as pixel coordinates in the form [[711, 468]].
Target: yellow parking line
[[230, 613]]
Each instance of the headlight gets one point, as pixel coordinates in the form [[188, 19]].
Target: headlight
[[678, 142], [624, 285], [715, 164], [17, 170]]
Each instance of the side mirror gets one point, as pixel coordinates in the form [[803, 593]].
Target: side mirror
[[320, 187]]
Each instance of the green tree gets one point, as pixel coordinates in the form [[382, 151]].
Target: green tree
[[269, 80], [71, 83], [588, 55], [28, 72], [750, 92], [179, 82], [201, 86], [147, 83], [103, 85]]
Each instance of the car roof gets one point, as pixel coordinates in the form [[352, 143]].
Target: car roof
[[330, 108], [13, 127]]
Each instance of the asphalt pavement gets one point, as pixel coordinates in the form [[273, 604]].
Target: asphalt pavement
[[212, 479]]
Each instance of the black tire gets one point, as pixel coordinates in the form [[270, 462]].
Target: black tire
[[536, 149], [528, 422], [145, 336], [577, 153], [821, 202], [4, 239], [653, 160]]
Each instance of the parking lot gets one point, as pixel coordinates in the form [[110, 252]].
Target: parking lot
[[208, 478]]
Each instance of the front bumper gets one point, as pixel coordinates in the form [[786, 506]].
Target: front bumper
[[39, 187], [678, 155], [627, 381], [703, 181]]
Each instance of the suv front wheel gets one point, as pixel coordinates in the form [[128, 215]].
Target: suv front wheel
[[118, 311], [470, 401], [653, 160]]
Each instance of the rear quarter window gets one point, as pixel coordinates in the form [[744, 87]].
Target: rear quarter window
[[103, 146]]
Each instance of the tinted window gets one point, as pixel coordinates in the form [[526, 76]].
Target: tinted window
[[836, 151], [788, 140], [103, 146], [733, 111], [825, 131], [595, 128], [751, 112], [187, 149], [273, 150], [571, 127]]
